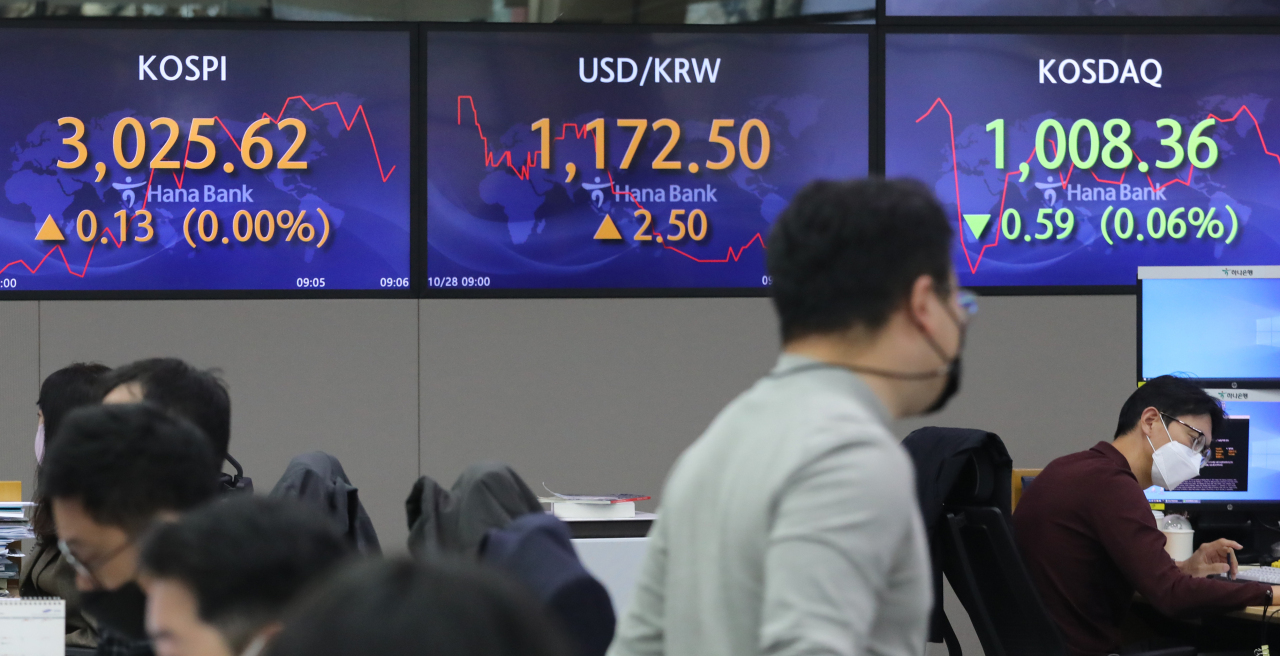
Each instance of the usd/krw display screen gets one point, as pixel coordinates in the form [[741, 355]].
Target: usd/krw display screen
[[570, 161], [1072, 160], [1240, 338], [1081, 8], [199, 160]]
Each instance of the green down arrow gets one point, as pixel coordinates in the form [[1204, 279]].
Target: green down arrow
[[977, 223]]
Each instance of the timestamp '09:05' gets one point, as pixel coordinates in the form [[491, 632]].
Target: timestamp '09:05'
[[458, 281]]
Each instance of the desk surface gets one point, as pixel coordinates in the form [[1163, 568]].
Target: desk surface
[[1254, 613]]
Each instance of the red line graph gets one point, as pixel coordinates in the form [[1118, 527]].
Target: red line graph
[[973, 264], [359, 113], [180, 180], [83, 271], [532, 159]]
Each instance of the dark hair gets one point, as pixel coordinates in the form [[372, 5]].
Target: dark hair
[[846, 254], [198, 395], [405, 608], [1174, 396], [66, 389], [126, 463], [244, 559], [62, 391]]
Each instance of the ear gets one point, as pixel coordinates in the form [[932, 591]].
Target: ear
[[1149, 419], [923, 294]]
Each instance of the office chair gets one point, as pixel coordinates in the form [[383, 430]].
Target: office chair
[[981, 561]]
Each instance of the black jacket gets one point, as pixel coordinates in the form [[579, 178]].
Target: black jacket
[[960, 466], [486, 496], [317, 479]]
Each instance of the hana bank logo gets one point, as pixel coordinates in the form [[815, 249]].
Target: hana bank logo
[[126, 188]]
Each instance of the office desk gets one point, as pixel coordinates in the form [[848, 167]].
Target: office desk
[[1254, 614], [613, 550]]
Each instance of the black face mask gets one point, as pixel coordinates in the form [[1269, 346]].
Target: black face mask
[[951, 388], [951, 370], [952, 385], [122, 610]]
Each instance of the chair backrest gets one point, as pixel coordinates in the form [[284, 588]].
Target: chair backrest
[[1021, 477], [980, 559]]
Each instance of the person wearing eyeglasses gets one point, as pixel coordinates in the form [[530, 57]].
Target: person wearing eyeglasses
[[111, 473], [791, 525], [1089, 540]]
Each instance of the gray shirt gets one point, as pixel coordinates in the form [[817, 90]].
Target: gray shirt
[[790, 527]]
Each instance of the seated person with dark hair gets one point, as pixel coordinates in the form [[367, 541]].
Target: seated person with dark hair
[[406, 608], [110, 473], [44, 572], [1089, 540], [197, 395], [218, 580]]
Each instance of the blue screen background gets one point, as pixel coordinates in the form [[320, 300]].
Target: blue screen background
[[92, 74], [983, 77], [1210, 328], [490, 225]]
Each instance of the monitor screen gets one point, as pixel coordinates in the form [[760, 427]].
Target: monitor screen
[[1081, 8], [1244, 461], [194, 161], [1071, 160], [581, 163], [1236, 335]]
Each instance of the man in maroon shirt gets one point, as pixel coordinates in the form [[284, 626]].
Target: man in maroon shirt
[[1089, 540]]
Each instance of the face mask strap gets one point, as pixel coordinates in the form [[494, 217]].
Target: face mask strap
[[933, 344]]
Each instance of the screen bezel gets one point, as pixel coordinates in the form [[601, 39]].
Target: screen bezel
[[1055, 28], [1206, 383], [875, 145], [233, 24], [883, 17]]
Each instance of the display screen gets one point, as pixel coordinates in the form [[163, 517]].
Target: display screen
[[1081, 8], [178, 160], [1244, 461], [1240, 338], [570, 161], [1070, 160]]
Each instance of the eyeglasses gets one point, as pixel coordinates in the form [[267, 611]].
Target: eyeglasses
[[968, 301], [1201, 442], [85, 569]]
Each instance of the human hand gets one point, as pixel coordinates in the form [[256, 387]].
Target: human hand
[[1217, 557]]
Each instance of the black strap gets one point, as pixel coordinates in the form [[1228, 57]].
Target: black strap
[[949, 637]]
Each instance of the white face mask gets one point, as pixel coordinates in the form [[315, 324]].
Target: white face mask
[[40, 443], [1174, 463]]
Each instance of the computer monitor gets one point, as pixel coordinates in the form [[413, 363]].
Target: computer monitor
[[1220, 325], [1244, 465]]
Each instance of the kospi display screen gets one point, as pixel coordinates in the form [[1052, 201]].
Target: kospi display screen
[[1081, 8], [1071, 160], [204, 160], [578, 162]]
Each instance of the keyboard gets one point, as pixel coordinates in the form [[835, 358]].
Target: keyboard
[[1268, 575]]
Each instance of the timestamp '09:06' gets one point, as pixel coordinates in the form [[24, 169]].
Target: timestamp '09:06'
[[458, 281]]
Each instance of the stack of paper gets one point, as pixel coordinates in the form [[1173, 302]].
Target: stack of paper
[[14, 526], [586, 506]]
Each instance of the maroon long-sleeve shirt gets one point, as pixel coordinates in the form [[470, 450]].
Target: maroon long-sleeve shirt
[[1089, 540]]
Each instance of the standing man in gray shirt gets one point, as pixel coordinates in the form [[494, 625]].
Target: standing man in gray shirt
[[791, 526]]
